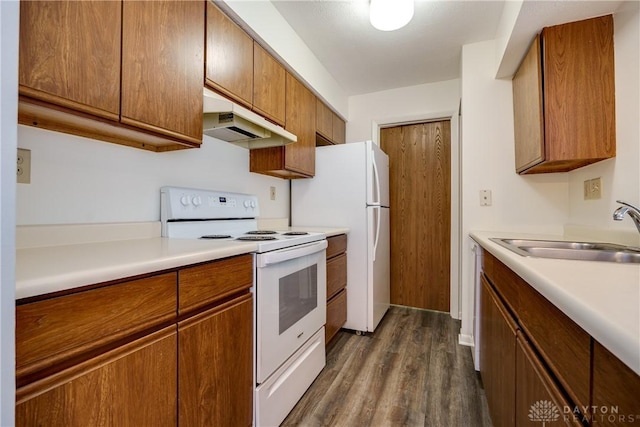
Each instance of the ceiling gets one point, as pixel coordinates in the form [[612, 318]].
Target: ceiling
[[363, 60]]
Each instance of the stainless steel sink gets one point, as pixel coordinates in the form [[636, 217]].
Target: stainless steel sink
[[585, 251]]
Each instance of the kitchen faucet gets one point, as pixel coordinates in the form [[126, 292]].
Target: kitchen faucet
[[633, 212]]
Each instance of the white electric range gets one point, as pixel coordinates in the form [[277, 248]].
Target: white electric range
[[289, 290]]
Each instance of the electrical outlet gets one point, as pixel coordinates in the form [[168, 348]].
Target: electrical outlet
[[23, 170], [593, 189], [272, 193], [485, 197]]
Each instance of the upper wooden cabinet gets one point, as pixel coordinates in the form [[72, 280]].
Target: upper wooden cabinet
[[564, 98], [297, 160], [269, 83], [162, 57], [330, 129], [72, 55], [229, 60]]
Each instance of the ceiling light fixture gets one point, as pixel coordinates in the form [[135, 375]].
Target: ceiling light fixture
[[389, 15]]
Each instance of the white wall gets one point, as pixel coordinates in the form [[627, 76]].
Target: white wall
[[520, 203], [405, 104], [620, 175], [80, 180], [9, 12]]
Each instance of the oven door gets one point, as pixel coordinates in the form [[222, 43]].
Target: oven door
[[291, 302]]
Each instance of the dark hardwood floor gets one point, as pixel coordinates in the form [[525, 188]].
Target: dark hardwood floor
[[410, 372]]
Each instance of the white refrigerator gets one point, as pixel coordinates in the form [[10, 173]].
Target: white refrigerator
[[351, 189]]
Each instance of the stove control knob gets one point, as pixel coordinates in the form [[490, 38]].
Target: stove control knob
[[185, 200], [253, 204], [247, 203], [197, 201]]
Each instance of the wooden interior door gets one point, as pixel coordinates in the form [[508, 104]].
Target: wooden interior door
[[420, 199]]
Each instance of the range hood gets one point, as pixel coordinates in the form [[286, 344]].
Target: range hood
[[233, 123]]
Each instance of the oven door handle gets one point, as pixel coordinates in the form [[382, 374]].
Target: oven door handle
[[287, 254]]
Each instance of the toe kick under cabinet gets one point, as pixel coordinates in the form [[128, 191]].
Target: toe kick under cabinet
[[145, 351], [336, 285], [537, 365]]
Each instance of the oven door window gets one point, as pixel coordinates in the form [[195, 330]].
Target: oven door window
[[298, 296]]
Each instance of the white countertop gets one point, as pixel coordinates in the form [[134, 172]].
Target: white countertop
[[602, 297], [53, 268]]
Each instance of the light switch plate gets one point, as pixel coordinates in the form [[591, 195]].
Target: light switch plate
[[593, 189]]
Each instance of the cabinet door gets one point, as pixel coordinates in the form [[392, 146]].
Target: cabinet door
[[336, 315], [538, 399], [70, 54], [229, 62], [162, 67], [527, 110], [301, 121], [215, 357], [497, 356], [339, 130], [269, 80], [324, 121], [615, 388], [134, 385]]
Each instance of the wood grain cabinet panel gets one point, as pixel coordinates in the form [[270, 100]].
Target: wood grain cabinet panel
[[336, 274], [269, 86], [52, 330], [70, 54], [564, 98], [114, 70], [229, 59], [162, 63], [204, 284], [336, 315], [538, 398], [216, 366], [615, 388], [336, 285], [134, 385], [339, 130], [497, 356], [324, 121], [297, 160]]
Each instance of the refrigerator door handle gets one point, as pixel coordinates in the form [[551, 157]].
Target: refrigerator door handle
[[376, 178], [376, 213]]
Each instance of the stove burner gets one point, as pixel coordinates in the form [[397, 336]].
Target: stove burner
[[216, 236], [295, 233], [258, 232], [256, 238]]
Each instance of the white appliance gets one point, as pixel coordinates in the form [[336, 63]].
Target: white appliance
[[289, 290], [351, 189]]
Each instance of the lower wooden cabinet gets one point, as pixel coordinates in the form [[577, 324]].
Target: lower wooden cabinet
[[616, 390], [215, 366], [538, 399], [123, 354], [336, 285], [539, 366], [497, 356], [134, 385]]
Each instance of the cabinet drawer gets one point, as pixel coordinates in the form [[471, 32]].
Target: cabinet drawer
[[52, 330], [336, 275], [505, 281], [336, 245], [204, 284], [336, 314]]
